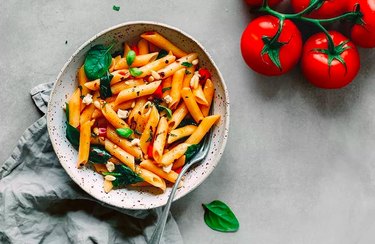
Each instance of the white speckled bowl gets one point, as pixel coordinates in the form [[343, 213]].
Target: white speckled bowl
[[92, 182]]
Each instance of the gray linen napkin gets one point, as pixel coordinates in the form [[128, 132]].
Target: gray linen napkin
[[39, 203]]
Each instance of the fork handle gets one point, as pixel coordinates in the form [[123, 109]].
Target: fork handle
[[159, 230]]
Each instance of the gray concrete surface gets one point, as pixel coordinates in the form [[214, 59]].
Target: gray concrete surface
[[299, 164]]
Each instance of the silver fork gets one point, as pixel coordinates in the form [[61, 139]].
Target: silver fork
[[198, 158]]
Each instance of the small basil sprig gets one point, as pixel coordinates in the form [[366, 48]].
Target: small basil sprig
[[166, 89], [97, 62], [218, 216], [162, 53], [124, 176], [186, 64], [135, 72], [72, 133], [130, 57], [105, 86], [124, 132], [191, 151], [187, 121], [98, 154], [167, 110]]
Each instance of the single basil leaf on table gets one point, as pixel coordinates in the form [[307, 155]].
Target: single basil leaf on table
[[124, 132], [99, 155], [218, 216], [97, 62], [105, 86], [130, 57], [124, 176], [72, 134], [135, 72], [162, 54]]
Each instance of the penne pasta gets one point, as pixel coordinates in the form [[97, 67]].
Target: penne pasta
[[175, 93], [208, 91], [160, 139], [160, 41], [175, 153], [118, 87], [152, 178], [199, 96], [188, 75], [202, 129], [180, 133], [82, 79], [143, 117], [191, 104], [118, 75], [156, 65], [100, 168], [143, 47], [138, 104], [126, 49], [123, 143], [84, 143], [149, 165], [75, 108], [167, 86], [140, 60], [138, 91], [86, 114], [125, 157], [179, 163], [173, 67], [112, 117], [149, 131], [178, 115]]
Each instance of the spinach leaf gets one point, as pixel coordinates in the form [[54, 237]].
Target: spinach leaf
[[186, 64], [218, 216], [162, 54], [124, 132], [135, 72], [130, 57], [98, 154], [192, 150], [187, 121], [166, 89], [167, 110], [97, 62], [72, 134], [125, 176], [105, 86]]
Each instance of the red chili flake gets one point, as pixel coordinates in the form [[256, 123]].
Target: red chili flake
[[135, 49], [205, 74], [178, 170], [103, 132], [122, 73], [149, 150], [159, 92]]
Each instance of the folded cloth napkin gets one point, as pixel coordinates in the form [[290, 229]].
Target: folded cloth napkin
[[39, 203]]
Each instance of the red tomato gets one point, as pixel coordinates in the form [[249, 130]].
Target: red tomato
[[135, 49], [329, 9], [258, 3], [205, 74], [158, 92], [315, 63], [363, 34], [149, 150], [252, 45]]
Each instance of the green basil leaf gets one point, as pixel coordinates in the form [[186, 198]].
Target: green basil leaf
[[116, 8], [186, 64], [130, 57], [97, 62], [105, 86], [187, 72], [72, 134], [135, 72], [127, 176], [218, 216], [162, 54], [165, 89], [167, 110], [99, 155], [187, 121], [191, 151], [124, 132], [137, 132]]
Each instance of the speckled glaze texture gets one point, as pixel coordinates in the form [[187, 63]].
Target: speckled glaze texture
[[86, 178]]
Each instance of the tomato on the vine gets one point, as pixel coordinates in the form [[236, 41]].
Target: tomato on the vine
[[258, 3], [267, 55], [363, 32], [328, 9], [330, 70]]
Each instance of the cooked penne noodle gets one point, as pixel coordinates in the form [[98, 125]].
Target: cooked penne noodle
[[173, 67], [125, 157], [117, 88], [114, 63], [199, 96], [180, 133], [202, 129], [156, 65], [123, 106], [138, 91], [100, 168], [160, 139], [143, 116], [82, 79], [175, 93], [167, 86], [86, 114], [140, 60], [179, 163], [126, 49], [141, 184], [160, 41], [143, 47], [208, 91], [191, 104], [149, 165], [189, 74], [175, 153], [84, 143], [97, 113], [118, 75], [152, 178], [112, 117], [138, 104], [149, 131], [153, 48], [75, 108], [123, 143], [178, 115]]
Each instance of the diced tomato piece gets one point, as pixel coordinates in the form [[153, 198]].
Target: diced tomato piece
[[135, 49], [103, 131], [149, 150], [178, 170], [159, 92], [205, 74]]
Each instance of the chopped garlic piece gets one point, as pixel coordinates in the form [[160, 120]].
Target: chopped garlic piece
[[87, 99], [135, 142], [168, 168], [109, 177], [110, 166], [122, 114], [195, 62], [97, 104], [168, 99], [107, 186], [155, 75]]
